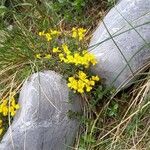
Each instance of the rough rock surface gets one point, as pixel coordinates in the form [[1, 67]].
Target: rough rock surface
[[123, 36], [42, 122]]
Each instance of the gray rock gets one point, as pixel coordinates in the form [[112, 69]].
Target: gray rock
[[121, 42], [42, 122]]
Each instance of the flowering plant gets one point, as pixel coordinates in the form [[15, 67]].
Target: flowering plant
[[8, 108], [62, 51], [68, 48]]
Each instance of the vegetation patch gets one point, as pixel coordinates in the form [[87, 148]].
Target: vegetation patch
[[54, 35]]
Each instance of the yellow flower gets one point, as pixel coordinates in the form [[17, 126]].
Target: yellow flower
[[9, 106], [38, 56], [56, 50], [84, 52], [13, 103], [12, 98], [1, 107], [66, 49], [88, 88], [73, 83], [74, 33], [85, 59], [81, 85], [17, 106], [48, 36], [77, 85], [5, 111], [1, 131], [41, 33], [55, 32], [78, 33], [81, 33], [81, 82], [61, 57], [81, 30], [47, 56], [12, 111], [94, 62], [70, 79], [92, 82], [90, 58], [69, 58], [80, 90], [82, 75], [95, 78]]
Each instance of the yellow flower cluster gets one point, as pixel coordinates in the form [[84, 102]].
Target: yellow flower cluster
[[81, 83], [84, 58], [9, 107], [1, 129], [78, 33], [78, 57], [49, 35], [56, 50], [46, 56]]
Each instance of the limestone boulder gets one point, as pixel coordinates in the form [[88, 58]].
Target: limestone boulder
[[121, 43], [42, 123]]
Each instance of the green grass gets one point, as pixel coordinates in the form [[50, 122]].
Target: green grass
[[117, 123], [111, 121]]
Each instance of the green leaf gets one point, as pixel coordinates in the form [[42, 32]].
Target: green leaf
[[2, 10], [23, 4]]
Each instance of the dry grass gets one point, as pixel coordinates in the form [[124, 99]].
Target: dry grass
[[127, 129]]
